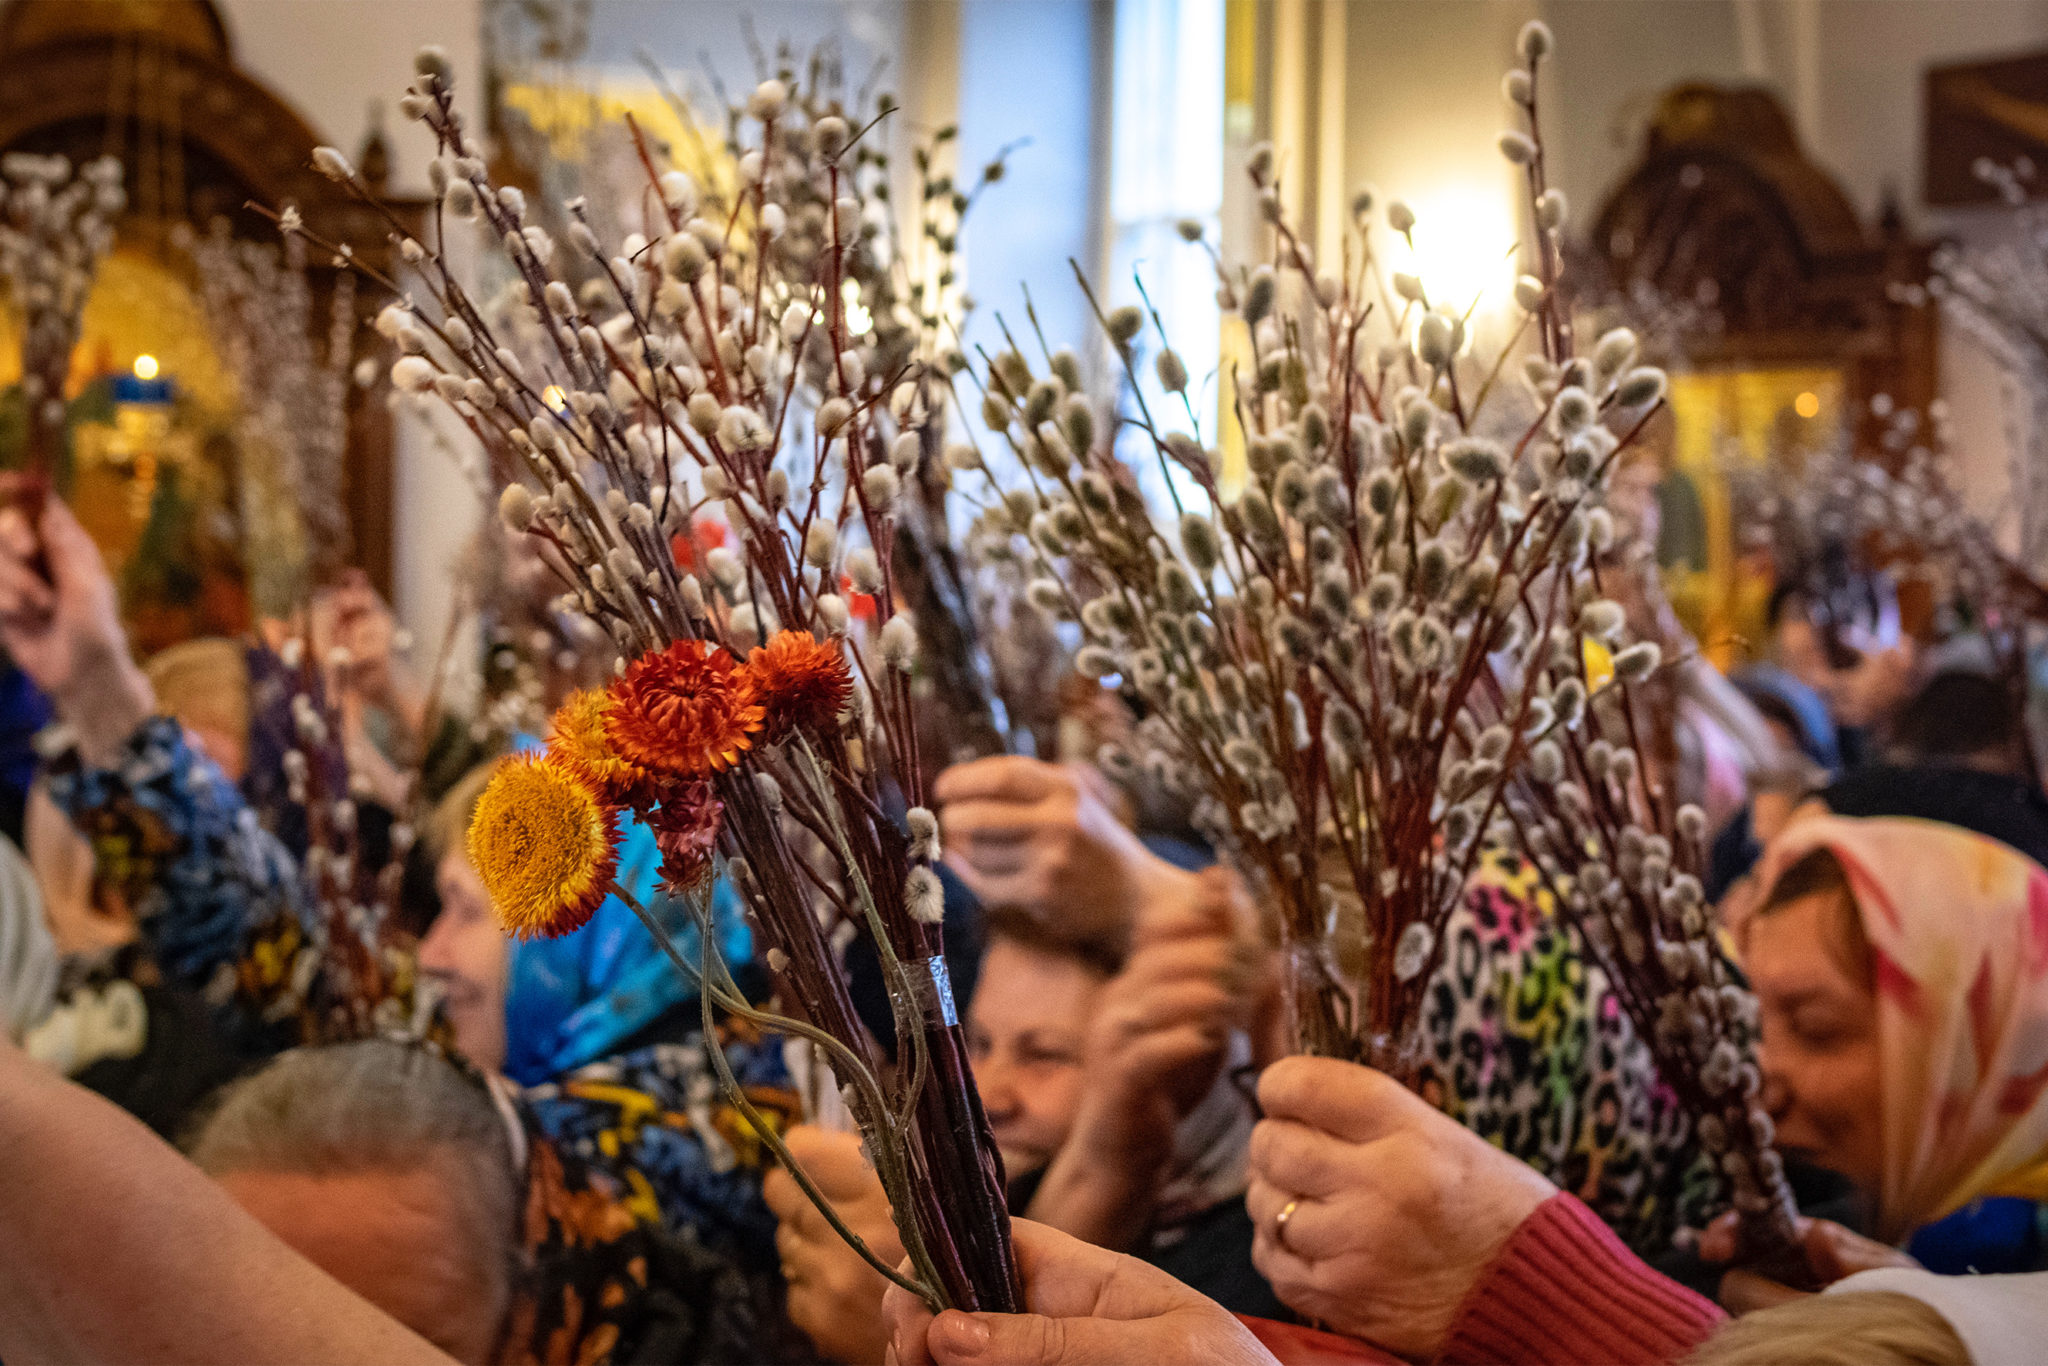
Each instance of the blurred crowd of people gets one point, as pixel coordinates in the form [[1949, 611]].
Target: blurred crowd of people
[[545, 1169]]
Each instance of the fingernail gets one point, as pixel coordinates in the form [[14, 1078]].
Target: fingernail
[[966, 1336]]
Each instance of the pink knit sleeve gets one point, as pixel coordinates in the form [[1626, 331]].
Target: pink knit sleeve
[[1565, 1291]]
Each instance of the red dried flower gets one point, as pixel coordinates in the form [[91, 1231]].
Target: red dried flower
[[686, 832], [686, 711], [862, 605], [802, 683], [692, 541]]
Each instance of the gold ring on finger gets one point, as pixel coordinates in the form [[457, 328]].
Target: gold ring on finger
[[1280, 1224]]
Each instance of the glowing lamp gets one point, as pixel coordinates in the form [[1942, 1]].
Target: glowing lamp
[[1465, 240]]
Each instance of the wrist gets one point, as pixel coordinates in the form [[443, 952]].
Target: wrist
[[1157, 885], [1097, 1193], [105, 704], [1120, 1132]]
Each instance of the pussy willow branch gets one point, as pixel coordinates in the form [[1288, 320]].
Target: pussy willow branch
[[733, 1003]]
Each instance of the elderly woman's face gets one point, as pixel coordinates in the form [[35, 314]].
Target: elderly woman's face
[[466, 953], [397, 1238], [1025, 1029], [1818, 1051]]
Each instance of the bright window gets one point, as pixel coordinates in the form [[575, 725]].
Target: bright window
[[1167, 166]]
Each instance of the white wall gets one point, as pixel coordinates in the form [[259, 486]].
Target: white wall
[[1027, 71], [1872, 94], [329, 59], [1613, 62]]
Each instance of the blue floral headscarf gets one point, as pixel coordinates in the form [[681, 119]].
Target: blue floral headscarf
[[571, 1001]]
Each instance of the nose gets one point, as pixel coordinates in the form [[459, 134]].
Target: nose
[[998, 1094], [432, 954], [1775, 1094]]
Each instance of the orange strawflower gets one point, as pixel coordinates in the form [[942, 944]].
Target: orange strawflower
[[577, 737], [542, 841], [685, 712], [802, 683]]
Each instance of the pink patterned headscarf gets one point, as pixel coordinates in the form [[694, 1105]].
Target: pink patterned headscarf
[[1958, 928]]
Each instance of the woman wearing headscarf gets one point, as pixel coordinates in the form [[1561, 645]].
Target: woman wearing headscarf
[[565, 1002], [607, 1038], [1901, 967]]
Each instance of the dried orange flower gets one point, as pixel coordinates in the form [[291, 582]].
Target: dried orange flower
[[542, 842], [802, 683], [577, 737], [686, 711]]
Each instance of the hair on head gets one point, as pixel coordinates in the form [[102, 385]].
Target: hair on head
[[1098, 953], [375, 1105], [1820, 873]]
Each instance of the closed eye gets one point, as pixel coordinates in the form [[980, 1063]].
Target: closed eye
[[1048, 1052]]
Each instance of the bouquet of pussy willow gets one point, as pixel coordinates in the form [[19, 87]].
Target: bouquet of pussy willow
[[355, 976], [1339, 645], [56, 223], [714, 364], [1892, 509], [1376, 646], [1593, 811], [292, 375], [1997, 292], [905, 292]]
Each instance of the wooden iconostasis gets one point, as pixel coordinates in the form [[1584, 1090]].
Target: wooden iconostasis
[[206, 527], [1778, 313]]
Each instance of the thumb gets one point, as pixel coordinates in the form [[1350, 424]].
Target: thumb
[[1157, 1054], [958, 1339], [73, 558], [1717, 1240]]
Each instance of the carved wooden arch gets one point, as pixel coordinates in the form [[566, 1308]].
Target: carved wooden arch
[[238, 141], [1725, 212]]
